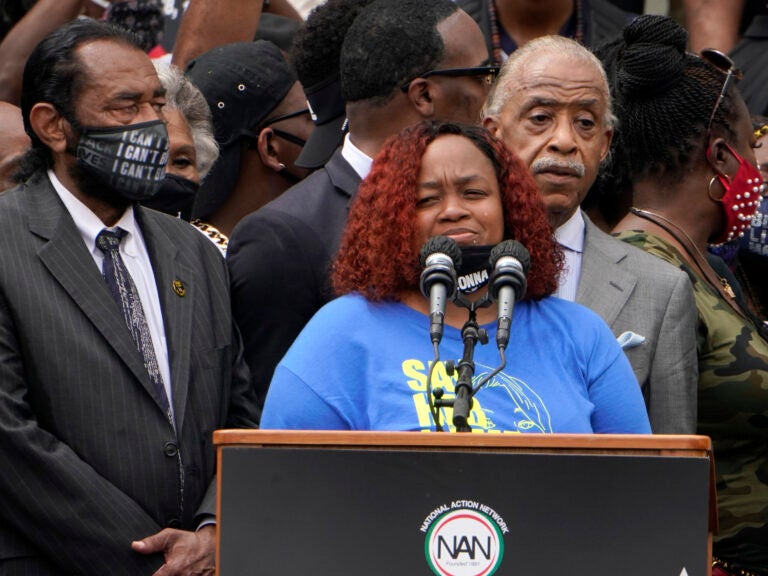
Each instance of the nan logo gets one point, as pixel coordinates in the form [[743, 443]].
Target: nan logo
[[464, 542]]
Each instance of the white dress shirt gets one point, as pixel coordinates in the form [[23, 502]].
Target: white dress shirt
[[358, 159], [570, 236], [134, 253]]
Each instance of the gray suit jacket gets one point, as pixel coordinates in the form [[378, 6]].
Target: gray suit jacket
[[637, 292], [88, 459]]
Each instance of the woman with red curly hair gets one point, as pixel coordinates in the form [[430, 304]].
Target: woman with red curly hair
[[362, 362]]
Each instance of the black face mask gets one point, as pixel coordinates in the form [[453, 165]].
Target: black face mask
[[475, 268], [175, 197], [130, 159]]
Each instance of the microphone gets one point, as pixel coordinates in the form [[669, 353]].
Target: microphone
[[510, 261], [438, 256]]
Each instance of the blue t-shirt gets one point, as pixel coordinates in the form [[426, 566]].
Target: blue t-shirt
[[360, 365]]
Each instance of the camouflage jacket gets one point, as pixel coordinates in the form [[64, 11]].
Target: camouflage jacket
[[732, 411]]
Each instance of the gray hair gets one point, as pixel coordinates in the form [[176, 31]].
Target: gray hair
[[510, 72], [185, 97]]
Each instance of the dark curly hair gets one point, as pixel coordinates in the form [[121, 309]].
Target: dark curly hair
[[390, 43], [317, 45], [664, 98], [377, 256]]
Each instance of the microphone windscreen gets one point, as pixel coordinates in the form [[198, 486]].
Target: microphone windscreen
[[514, 249], [442, 245]]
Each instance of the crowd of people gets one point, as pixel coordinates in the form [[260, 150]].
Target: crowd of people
[[244, 230]]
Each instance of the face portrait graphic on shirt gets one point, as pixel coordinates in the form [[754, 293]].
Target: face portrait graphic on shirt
[[525, 411]]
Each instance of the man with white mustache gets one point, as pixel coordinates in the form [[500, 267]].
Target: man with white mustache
[[551, 106]]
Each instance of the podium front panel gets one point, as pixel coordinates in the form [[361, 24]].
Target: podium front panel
[[300, 511]]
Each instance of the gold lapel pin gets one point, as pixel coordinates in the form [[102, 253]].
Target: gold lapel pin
[[179, 288]]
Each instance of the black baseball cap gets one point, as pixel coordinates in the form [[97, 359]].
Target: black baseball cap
[[327, 109], [242, 83]]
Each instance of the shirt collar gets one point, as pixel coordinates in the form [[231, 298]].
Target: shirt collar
[[571, 233], [88, 224], [358, 159]]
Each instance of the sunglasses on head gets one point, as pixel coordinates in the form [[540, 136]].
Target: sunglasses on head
[[725, 65], [486, 73]]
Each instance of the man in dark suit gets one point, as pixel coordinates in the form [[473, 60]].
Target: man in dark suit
[[110, 385], [552, 107], [390, 72]]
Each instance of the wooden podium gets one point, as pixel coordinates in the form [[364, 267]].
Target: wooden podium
[[409, 503]]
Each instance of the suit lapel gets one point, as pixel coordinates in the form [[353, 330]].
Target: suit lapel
[[71, 265], [342, 175], [177, 291], [604, 287]]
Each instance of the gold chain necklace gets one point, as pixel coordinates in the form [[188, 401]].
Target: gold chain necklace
[[212, 233], [701, 261]]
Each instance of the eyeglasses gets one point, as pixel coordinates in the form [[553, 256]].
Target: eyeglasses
[[725, 65], [290, 137], [487, 74], [280, 133], [294, 114]]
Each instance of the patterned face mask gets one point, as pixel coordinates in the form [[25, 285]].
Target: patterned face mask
[[741, 198], [129, 159]]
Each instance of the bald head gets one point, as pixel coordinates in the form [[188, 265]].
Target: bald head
[[14, 142]]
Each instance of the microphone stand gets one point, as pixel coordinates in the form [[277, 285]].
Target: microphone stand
[[471, 333]]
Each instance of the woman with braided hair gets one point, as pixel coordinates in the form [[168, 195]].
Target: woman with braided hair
[[688, 141], [747, 256]]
